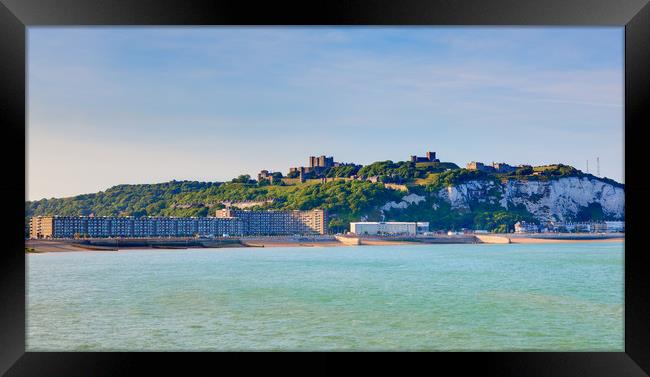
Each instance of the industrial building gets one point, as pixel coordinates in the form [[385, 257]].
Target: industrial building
[[389, 228], [278, 222]]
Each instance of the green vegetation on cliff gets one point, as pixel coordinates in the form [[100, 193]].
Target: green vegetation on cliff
[[480, 215], [436, 181], [345, 200], [548, 172], [341, 171], [126, 200], [403, 171]]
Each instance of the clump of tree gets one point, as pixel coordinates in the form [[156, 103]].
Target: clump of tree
[[346, 199], [558, 170], [341, 171], [354, 197], [403, 171], [244, 178], [133, 200], [592, 212], [454, 177], [440, 215], [524, 170], [502, 221], [380, 168]]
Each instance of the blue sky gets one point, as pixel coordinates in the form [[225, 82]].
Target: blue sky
[[108, 106]]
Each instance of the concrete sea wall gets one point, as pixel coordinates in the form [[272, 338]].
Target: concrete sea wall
[[484, 238]]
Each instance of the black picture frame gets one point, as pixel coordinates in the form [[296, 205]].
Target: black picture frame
[[17, 15]]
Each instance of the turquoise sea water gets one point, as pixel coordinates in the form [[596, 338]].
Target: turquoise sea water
[[429, 297]]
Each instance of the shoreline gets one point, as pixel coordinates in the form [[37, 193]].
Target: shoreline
[[64, 245], [523, 240]]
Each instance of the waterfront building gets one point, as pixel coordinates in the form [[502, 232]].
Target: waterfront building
[[167, 227], [74, 226], [599, 227], [129, 227], [615, 226], [278, 222], [526, 227], [95, 226], [142, 227], [122, 226], [389, 228], [421, 227], [187, 226], [585, 226], [40, 227]]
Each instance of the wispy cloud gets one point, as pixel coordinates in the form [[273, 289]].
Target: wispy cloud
[[251, 98]]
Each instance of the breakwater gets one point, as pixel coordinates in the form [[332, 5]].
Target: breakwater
[[115, 244], [441, 239], [351, 241], [485, 238]]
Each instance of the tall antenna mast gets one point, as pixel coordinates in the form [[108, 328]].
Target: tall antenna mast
[[587, 166], [597, 167]]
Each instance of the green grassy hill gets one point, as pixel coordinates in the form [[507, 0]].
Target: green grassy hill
[[346, 200]]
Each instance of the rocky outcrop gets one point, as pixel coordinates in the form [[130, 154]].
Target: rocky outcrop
[[406, 201], [560, 199], [565, 197]]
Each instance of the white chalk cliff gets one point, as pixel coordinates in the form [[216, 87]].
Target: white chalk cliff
[[558, 198]]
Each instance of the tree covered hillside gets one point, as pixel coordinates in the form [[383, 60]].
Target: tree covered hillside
[[345, 199]]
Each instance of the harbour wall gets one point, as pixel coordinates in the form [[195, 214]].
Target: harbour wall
[[114, 244], [351, 241], [485, 238]]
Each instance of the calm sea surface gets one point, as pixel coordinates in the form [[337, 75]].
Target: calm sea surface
[[429, 297]]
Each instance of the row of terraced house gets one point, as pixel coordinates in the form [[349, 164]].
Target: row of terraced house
[[225, 223]]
